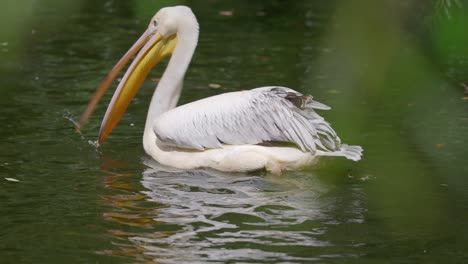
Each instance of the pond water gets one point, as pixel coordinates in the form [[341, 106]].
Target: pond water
[[393, 78]]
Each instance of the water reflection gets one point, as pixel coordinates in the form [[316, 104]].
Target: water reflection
[[204, 215]]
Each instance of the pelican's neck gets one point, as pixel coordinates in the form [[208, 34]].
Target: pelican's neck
[[168, 91]]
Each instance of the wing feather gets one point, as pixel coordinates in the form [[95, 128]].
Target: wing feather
[[266, 114]]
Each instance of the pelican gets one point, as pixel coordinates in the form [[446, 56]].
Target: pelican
[[273, 128]]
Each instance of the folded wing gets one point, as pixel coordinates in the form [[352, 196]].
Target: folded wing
[[267, 114]]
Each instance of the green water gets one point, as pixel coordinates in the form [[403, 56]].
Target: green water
[[393, 72]]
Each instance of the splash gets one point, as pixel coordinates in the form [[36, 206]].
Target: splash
[[67, 115], [94, 143]]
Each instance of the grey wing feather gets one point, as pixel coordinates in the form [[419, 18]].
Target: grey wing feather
[[264, 114]]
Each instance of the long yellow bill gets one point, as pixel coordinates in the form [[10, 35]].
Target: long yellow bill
[[153, 50], [102, 88], [156, 49]]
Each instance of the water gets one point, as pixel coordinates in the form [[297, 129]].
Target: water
[[391, 91]]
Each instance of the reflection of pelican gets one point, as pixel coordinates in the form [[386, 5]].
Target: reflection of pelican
[[226, 131], [211, 210]]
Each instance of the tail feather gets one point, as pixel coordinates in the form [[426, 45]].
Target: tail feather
[[308, 129], [350, 152]]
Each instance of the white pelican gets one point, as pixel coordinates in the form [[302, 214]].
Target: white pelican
[[236, 131]]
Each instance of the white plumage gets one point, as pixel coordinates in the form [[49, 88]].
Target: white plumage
[[237, 131], [267, 114]]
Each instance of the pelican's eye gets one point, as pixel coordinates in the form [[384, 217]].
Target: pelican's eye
[[155, 23]]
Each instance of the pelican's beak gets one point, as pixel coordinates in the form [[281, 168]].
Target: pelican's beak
[[153, 48]]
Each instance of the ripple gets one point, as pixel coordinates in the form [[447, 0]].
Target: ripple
[[173, 216], [223, 216]]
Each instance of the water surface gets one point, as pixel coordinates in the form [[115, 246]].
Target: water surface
[[394, 89]]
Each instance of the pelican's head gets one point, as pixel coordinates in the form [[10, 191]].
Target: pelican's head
[[169, 20], [157, 42]]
